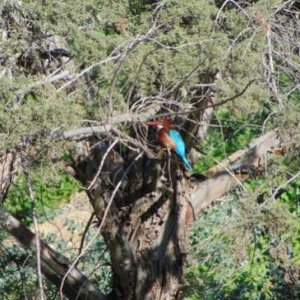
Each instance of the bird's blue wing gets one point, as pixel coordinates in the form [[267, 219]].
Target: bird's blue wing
[[180, 147]]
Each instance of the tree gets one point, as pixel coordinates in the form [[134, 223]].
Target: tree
[[180, 60]]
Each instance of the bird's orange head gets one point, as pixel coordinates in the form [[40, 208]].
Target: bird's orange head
[[162, 123]]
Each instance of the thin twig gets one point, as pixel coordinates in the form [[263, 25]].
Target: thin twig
[[102, 163], [85, 232], [271, 65], [101, 224], [285, 184], [102, 62], [35, 222]]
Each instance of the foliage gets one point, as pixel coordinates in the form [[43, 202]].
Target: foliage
[[13, 275], [228, 133], [18, 275], [246, 247], [47, 196], [91, 34]]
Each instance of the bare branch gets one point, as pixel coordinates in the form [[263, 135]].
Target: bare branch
[[234, 96], [36, 229], [222, 182], [80, 133], [54, 265], [102, 163], [102, 62], [106, 126], [285, 184], [85, 232], [101, 224], [271, 65]]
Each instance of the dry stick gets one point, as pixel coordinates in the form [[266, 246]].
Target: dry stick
[[271, 65], [97, 266], [266, 120], [101, 224], [224, 4], [285, 184], [282, 6], [37, 234], [85, 232], [142, 117], [220, 10], [234, 96], [102, 62], [102, 163], [179, 84]]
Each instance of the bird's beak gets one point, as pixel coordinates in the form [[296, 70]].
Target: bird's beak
[[153, 123]]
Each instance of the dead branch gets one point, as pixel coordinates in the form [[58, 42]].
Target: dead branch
[[234, 158], [36, 229], [54, 265], [106, 126], [222, 182], [271, 70], [118, 53], [285, 184], [72, 266]]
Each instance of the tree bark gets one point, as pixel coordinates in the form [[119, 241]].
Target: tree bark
[[146, 224]]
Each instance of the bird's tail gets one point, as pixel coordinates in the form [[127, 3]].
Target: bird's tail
[[187, 164]]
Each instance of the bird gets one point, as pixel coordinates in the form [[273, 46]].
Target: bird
[[171, 139]]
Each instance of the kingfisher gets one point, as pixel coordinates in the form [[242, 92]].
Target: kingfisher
[[171, 139]]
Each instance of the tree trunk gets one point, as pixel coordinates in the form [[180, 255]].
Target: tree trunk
[[144, 211], [144, 225], [148, 247]]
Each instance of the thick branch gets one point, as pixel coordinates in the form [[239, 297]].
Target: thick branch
[[83, 132], [54, 265], [226, 175], [106, 126]]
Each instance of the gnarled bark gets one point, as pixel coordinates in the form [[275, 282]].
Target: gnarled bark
[[149, 213]]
